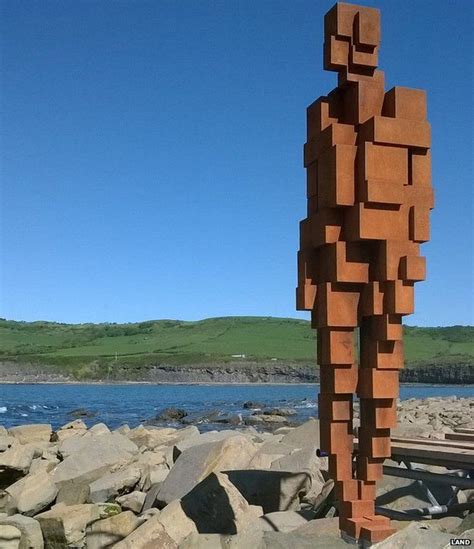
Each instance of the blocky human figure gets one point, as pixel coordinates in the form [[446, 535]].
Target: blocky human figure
[[369, 197]]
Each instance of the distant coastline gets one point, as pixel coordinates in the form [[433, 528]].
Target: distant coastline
[[232, 373], [225, 350]]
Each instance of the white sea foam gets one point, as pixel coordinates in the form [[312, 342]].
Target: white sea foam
[[3, 409]]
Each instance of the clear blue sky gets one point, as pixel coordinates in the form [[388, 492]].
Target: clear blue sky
[[152, 153]]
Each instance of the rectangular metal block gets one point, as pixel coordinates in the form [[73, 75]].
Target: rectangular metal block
[[336, 306], [369, 469], [382, 162], [338, 379], [386, 327], [384, 355], [312, 180], [323, 228], [335, 346], [346, 490], [405, 103], [413, 268], [362, 57], [340, 467], [420, 168], [318, 117], [336, 172], [335, 407], [363, 99], [339, 20], [388, 255], [366, 489], [336, 437], [372, 299], [352, 526], [378, 383], [399, 297], [341, 263], [306, 267], [375, 533], [357, 508], [336, 53], [396, 131], [367, 27], [381, 191], [363, 222], [305, 297], [374, 443], [419, 224], [335, 134]]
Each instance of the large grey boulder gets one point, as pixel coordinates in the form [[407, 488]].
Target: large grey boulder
[[92, 457], [65, 526], [107, 532], [33, 493], [44, 464], [176, 522], [197, 462], [17, 458], [272, 490], [153, 437], [15, 463], [6, 442], [110, 485], [270, 451], [281, 521], [216, 506], [150, 535], [72, 446], [306, 461], [198, 439], [32, 433], [31, 536], [304, 435], [10, 537], [415, 536], [133, 501], [282, 540]]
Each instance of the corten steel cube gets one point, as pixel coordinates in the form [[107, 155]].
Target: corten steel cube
[[369, 196]]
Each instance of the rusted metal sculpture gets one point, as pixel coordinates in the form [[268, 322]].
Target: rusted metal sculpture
[[369, 199]]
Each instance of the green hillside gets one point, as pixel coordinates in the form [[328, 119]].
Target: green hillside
[[72, 347]]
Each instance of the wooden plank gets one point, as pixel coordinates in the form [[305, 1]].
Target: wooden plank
[[421, 451], [435, 442], [464, 430], [468, 437], [451, 458]]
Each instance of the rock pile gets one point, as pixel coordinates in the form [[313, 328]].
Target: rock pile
[[152, 487]]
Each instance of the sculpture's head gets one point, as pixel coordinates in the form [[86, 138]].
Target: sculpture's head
[[351, 39]]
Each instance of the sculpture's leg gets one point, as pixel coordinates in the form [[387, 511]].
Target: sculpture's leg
[[338, 381], [381, 357]]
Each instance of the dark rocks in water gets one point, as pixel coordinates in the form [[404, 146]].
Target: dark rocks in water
[[82, 412], [250, 405], [285, 412], [171, 414], [230, 420], [197, 418]]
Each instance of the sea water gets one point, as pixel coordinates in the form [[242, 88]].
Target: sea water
[[135, 403]]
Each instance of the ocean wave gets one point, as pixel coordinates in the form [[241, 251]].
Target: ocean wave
[[3, 409], [308, 405]]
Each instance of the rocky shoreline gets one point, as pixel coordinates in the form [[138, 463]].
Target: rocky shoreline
[[154, 486], [233, 372]]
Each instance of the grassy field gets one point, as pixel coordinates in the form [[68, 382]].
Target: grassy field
[[74, 347]]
